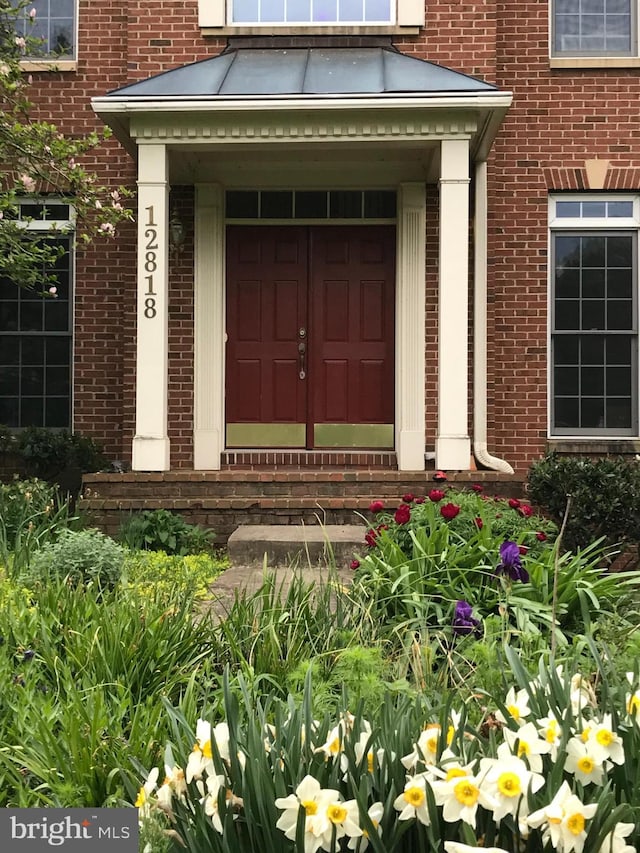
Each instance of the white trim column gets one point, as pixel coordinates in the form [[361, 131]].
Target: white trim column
[[151, 441], [410, 327], [453, 446], [209, 328]]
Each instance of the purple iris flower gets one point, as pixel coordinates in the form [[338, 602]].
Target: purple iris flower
[[463, 621], [510, 562]]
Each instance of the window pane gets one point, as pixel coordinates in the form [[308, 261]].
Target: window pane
[[593, 315], [619, 283], [620, 251], [325, 11], [592, 349], [32, 411], [244, 11], [566, 412], [32, 350], [567, 209], [345, 204], [566, 349], [377, 10], [299, 10], [350, 10], [311, 204], [592, 380], [9, 316], [276, 205], [619, 381], [567, 314], [592, 413], [9, 411], [566, 380], [58, 384], [379, 204], [619, 350], [33, 381], [56, 316], [272, 10], [595, 209], [9, 350], [620, 208], [242, 205], [567, 251], [57, 412], [9, 381], [58, 351], [619, 414], [619, 314], [593, 284]]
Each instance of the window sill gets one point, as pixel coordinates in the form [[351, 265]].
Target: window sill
[[365, 30], [594, 446], [49, 65], [594, 62]]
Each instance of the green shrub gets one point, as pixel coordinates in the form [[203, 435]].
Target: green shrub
[[161, 530], [155, 571], [81, 556], [605, 497], [31, 514], [46, 453]]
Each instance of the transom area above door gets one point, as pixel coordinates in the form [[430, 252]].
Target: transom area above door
[[314, 204]]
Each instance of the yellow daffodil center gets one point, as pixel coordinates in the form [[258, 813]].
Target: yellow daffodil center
[[514, 711], [575, 824], [334, 746], [336, 813], [633, 705], [509, 785], [141, 799], [206, 749], [604, 737], [552, 732], [310, 807], [466, 793], [370, 761], [586, 764], [455, 773], [450, 735], [414, 796], [585, 735], [523, 749]]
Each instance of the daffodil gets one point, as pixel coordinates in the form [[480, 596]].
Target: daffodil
[[146, 790], [312, 799], [550, 729], [517, 706], [460, 793], [584, 763], [375, 813], [526, 743], [604, 742], [337, 819], [614, 841], [426, 749], [210, 801], [563, 820], [508, 780], [412, 803], [457, 847]]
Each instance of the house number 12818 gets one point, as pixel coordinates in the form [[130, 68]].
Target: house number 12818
[[150, 263]]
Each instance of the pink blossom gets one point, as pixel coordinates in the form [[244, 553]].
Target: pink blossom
[[28, 183], [20, 42], [107, 228], [53, 290], [32, 13]]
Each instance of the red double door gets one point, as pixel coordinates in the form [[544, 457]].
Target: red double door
[[310, 336]]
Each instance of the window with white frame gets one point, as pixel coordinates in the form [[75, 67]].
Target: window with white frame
[[36, 332], [52, 31], [594, 27], [594, 315], [389, 15]]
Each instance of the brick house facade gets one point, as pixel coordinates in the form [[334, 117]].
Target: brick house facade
[[561, 281]]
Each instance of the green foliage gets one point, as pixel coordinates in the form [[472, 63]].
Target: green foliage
[[152, 572], [161, 530], [418, 568], [605, 497], [31, 514], [79, 556], [38, 159], [84, 672]]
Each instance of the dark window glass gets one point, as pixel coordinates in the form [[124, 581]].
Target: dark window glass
[[311, 204], [242, 205], [276, 204], [345, 204], [379, 204]]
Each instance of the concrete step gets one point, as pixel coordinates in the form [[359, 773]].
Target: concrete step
[[296, 544]]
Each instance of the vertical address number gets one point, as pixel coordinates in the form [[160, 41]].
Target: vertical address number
[[150, 263]]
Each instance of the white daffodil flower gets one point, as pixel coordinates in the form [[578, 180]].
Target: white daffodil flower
[[517, 705], [563, 820], [375, 813], [614, 841], [583, 762], [338, 818], [312, 799], [426, 749], [147, 788], [457, 847], [604, 742], [550, 729], [508, 779], [526, 743], [412, 803]]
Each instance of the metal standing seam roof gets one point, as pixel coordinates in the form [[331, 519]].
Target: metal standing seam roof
[[305, 71]]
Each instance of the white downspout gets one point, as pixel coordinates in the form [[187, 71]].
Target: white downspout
[[480, 450]]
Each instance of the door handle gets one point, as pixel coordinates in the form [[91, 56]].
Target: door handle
[[302, 359]]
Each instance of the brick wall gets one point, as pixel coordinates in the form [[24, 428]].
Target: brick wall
[[559, 119]]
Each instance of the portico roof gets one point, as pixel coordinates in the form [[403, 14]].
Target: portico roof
[[371, 94], [305, 71]]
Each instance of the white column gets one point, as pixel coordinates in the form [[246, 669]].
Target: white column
[[410, 327], [151, 442], [209, 328], [453, 447]]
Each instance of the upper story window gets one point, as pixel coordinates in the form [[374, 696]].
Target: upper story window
[[53, 29], [594, 316], [594, 28], [393, 16], [317, 12]]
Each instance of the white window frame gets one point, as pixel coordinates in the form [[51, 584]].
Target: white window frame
[[61, 227], [51, 62], [594, 59], [558, 225], [215, 14]]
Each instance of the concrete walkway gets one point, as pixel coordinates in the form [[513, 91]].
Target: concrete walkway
[[314, 553]]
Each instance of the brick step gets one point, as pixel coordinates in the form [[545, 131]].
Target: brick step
[[300, 544]]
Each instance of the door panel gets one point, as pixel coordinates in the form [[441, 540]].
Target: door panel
[[266, 307], [336, 284]]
